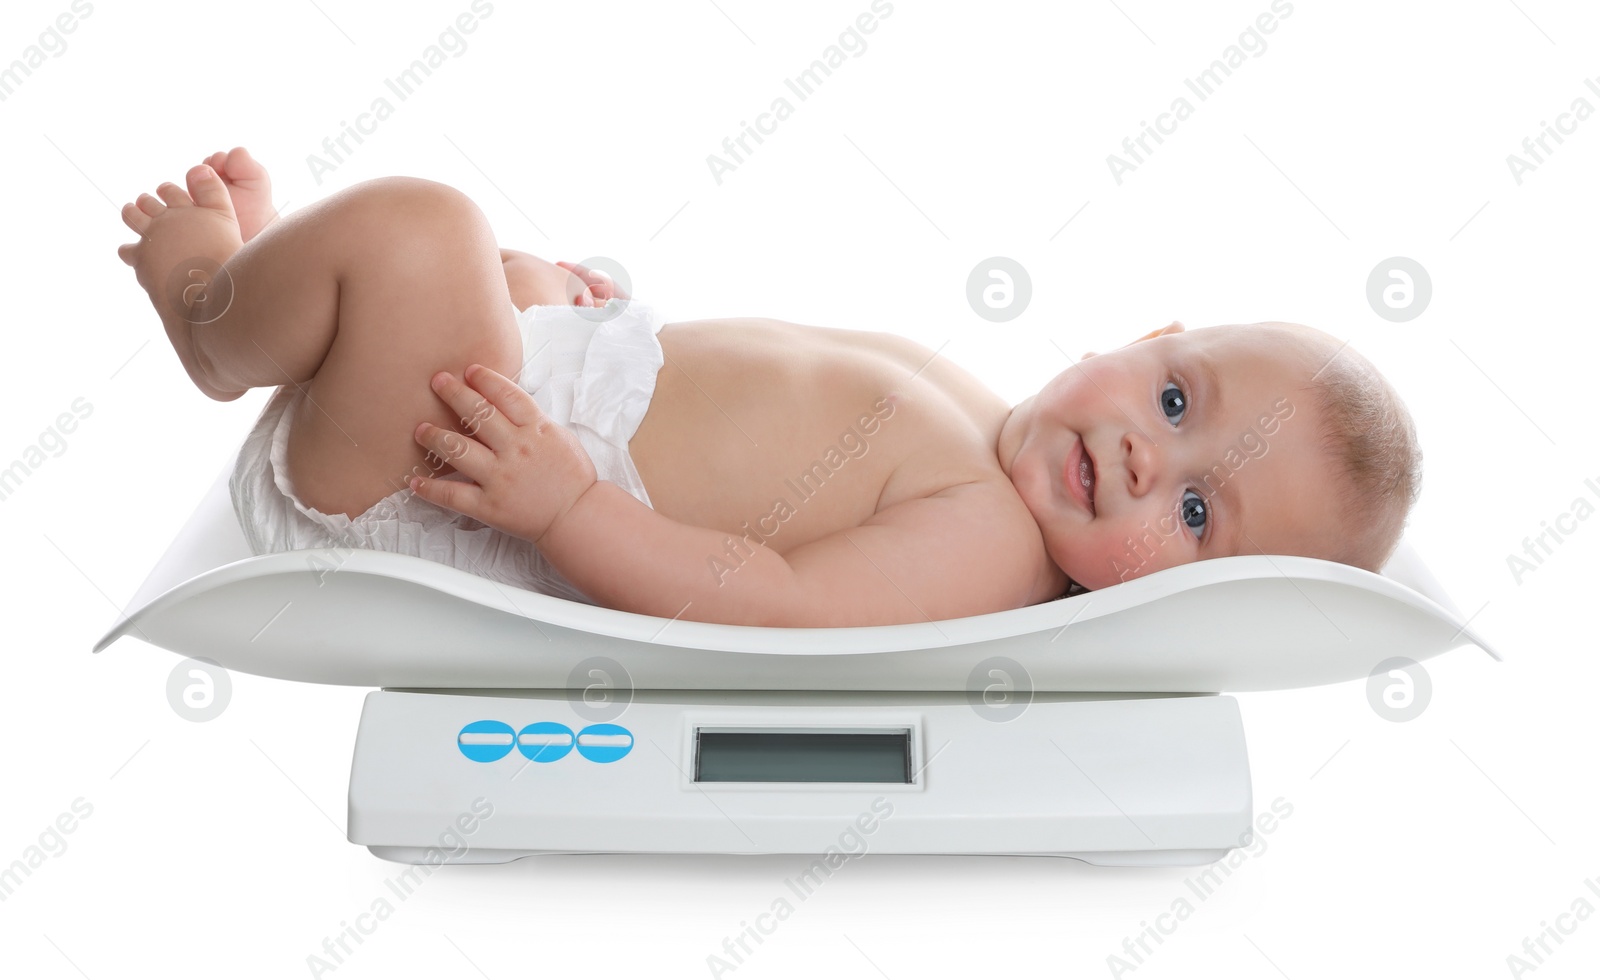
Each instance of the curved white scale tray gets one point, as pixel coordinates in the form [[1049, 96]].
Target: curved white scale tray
[[379, 619]]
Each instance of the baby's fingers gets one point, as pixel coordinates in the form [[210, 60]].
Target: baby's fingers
[[489, 405], [503, 393], [463, 498], [470, 458]]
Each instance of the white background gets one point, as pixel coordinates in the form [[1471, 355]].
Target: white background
[[1363, 131]]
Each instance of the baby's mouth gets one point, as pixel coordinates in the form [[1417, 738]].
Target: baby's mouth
[[1086, 475]]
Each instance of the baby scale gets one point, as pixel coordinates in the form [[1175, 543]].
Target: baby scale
[[509, 723]]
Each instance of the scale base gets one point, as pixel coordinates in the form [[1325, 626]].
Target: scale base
[[1104, 859], [442, 777]]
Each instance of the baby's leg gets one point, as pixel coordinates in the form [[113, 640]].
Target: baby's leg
[[534, 282], [360, 299]]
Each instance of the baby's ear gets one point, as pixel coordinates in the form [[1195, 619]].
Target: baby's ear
[[1173, 327]]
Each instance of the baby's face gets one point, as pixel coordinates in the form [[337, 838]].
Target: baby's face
[[1200, 444]]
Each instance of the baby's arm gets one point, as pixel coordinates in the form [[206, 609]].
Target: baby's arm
[[956, 553], [966, 550]]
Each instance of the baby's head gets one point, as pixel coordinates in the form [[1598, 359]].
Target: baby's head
[[1262, 438]]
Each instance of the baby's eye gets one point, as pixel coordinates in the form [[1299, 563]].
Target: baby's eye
[[1193, 512], [1172, 401]]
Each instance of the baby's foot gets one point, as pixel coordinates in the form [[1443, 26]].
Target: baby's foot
[[185, 237], [248, 186]]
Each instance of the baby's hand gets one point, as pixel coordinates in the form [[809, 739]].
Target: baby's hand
[[527, 469]]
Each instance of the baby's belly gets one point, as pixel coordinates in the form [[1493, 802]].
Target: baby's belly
[[788, 433]]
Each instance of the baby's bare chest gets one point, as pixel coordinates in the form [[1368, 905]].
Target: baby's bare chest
[[794, 432]]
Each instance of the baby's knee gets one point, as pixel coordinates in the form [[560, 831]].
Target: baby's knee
[[413, 206]]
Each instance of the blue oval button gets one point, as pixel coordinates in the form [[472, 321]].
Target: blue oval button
[[604, 743], [545, 741], [486, 741]]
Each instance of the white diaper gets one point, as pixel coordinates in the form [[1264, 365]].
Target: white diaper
[[593, 371]]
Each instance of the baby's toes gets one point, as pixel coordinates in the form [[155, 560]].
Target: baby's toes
[[208, 189], [135, 218], [242, 166], [149, 205], [129, 253], [173, 195]]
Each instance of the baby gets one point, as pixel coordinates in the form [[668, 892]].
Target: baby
[[750, 471]]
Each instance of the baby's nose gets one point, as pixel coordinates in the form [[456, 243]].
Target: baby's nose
[[1144, 461]]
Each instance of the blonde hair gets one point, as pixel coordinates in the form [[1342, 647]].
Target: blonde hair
[[1371, 437]]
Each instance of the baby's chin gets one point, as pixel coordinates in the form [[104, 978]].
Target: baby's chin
[[1089, 581], [1094, 575]]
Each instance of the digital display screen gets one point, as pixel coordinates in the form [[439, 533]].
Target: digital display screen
[[810, 756]]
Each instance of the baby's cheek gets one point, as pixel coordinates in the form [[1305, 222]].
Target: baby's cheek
[[1094, 559], [1104, 557]]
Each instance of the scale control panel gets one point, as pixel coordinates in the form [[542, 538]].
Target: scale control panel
[[543, 741], [717, 753]]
